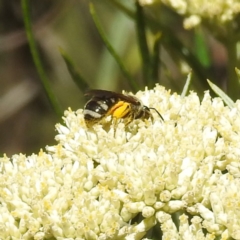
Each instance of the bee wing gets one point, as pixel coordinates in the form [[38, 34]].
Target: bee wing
[[109, 94], [100, 93]]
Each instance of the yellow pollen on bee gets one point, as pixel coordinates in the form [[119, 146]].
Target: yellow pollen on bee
[[120, 109]]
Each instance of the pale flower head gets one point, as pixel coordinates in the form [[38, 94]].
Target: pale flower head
[[93, 183], [194, 11]]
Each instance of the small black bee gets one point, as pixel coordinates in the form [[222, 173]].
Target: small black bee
[[120, 106]]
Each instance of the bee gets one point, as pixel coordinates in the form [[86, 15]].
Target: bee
[[105, 103]]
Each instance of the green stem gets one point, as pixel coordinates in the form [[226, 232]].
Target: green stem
[[233, 87], [142, 40], [156, 59], [82, 84], [131, 81], [36, 58]]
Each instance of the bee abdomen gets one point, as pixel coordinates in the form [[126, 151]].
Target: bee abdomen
[[96, 109], [93, 110]]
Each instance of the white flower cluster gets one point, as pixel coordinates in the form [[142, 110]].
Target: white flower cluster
[[181, 176], [220, 11]]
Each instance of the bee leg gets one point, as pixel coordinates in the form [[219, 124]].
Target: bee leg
[[115, 122], [128, 120], [151, 117]]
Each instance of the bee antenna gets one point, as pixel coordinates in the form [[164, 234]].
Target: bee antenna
[[157, 112]]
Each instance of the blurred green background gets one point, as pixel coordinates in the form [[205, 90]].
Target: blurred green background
[[26, 118]]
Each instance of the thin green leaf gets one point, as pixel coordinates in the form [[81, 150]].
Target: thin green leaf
[[221, 94], [155, 59], [232, 83], [187, 85], [201, 48], [143, 46], [131, 81], [122, 7], [238, 74], [36, 58], [77, 78]]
